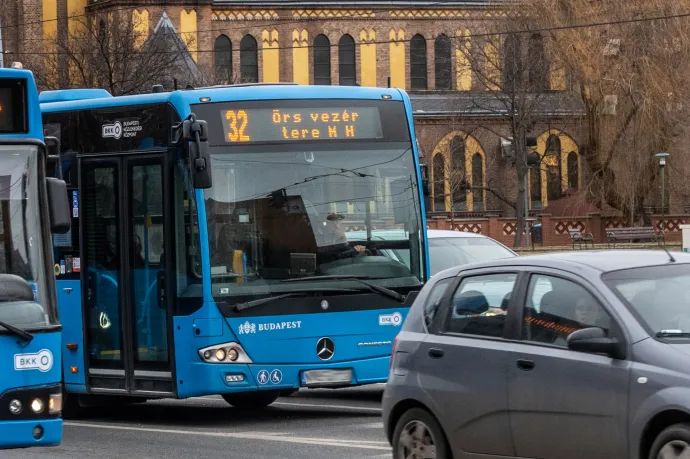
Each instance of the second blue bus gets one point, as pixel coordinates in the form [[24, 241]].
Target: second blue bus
[[245, 241]]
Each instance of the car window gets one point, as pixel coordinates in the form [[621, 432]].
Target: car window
[[449, 252], [480, 304], [557, 307], [434, 300]]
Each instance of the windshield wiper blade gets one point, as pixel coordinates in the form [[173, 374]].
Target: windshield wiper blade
[[672, 334], [26, 336], [373, 287], [251, 304]]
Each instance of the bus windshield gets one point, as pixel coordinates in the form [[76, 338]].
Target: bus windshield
[[286, 212], [20, 235]]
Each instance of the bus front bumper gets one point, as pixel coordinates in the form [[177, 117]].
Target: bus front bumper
[[20, 434], [208, 379]]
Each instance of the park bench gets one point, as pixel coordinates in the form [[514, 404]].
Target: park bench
[[581, 237], [646, 233]]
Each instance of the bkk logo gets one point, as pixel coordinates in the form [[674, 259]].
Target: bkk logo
[[41, 361], [394, 319]]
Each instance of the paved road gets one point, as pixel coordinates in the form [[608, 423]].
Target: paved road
[[310, 424]]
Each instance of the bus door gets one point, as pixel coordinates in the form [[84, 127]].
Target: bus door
[[126, 320]]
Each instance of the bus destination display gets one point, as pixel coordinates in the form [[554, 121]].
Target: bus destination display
[[301, 124]]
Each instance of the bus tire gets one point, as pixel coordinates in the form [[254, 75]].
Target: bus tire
[[251, 400]]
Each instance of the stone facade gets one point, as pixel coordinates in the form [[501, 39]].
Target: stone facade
[[370, 45]]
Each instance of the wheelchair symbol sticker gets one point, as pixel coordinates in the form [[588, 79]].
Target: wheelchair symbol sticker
[[276, 376], [262, 377]]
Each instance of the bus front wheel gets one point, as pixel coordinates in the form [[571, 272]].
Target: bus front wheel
[[251, 400]]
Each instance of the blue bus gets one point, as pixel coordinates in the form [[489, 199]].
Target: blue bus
[[31, 205], [245, 240]]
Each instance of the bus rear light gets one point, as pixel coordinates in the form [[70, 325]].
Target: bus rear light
[[224, 353], [55, 403], [72, 346]]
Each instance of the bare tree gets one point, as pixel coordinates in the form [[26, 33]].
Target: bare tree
[[116, 53], [510, 78], [630, 74]]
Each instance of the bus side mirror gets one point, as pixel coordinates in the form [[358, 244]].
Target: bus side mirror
[[196, 133], [53, 162], [58, 206]]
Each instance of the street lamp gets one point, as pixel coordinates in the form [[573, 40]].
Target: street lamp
[[662, 164]]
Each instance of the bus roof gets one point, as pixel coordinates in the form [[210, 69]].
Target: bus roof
[[33, 116], [79, 99]]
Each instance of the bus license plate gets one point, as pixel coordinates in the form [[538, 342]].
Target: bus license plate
[[327, 377]]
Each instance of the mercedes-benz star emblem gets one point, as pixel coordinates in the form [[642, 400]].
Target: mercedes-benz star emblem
[[325, 348]]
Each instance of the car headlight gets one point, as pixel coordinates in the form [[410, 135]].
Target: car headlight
[[224, 353]]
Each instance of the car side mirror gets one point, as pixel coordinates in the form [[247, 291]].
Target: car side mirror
[[593, 340], [14, 288], [58, 206]]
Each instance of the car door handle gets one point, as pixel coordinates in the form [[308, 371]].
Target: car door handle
[[525, 365], [435, 353]]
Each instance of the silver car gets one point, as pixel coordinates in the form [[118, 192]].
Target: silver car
[[581, 355]]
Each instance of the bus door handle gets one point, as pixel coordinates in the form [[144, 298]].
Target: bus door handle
[[160, 287]]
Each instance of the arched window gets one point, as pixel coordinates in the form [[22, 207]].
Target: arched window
[[222, 59], [512, 61], [573, 172], [418, 78], [322, 60], [249, 60], [477, 182], [439, 183], [535, 186], [442, 62], [347, 67], [552, 158], [538, 66], [101, 32], [458, 181]]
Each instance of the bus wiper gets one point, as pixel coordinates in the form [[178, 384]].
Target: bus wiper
[[250, 304], [672, 334], [26, 336], [373, 287]]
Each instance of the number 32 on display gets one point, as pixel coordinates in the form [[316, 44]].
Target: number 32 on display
[[234, 133]]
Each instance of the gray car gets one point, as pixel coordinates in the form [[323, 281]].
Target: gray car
[[580, 355]]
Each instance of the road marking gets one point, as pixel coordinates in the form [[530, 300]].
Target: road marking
[[359, 444], [330, 407]]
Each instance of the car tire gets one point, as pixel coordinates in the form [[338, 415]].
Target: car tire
[[674, 440], [429, 430], [251, 400]]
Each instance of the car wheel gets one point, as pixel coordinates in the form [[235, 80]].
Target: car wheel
[[418, 435], [251, 400], [672, 443]]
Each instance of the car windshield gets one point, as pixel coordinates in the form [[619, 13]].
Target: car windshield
[[447, 252], [21, 240], [289, 213], [659, 295]]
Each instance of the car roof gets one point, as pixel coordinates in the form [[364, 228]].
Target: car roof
[[599, 261], [434, 233]]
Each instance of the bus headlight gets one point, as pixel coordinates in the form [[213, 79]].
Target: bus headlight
[[15, 407], [55, 403], [37, 405], [224, 353]]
